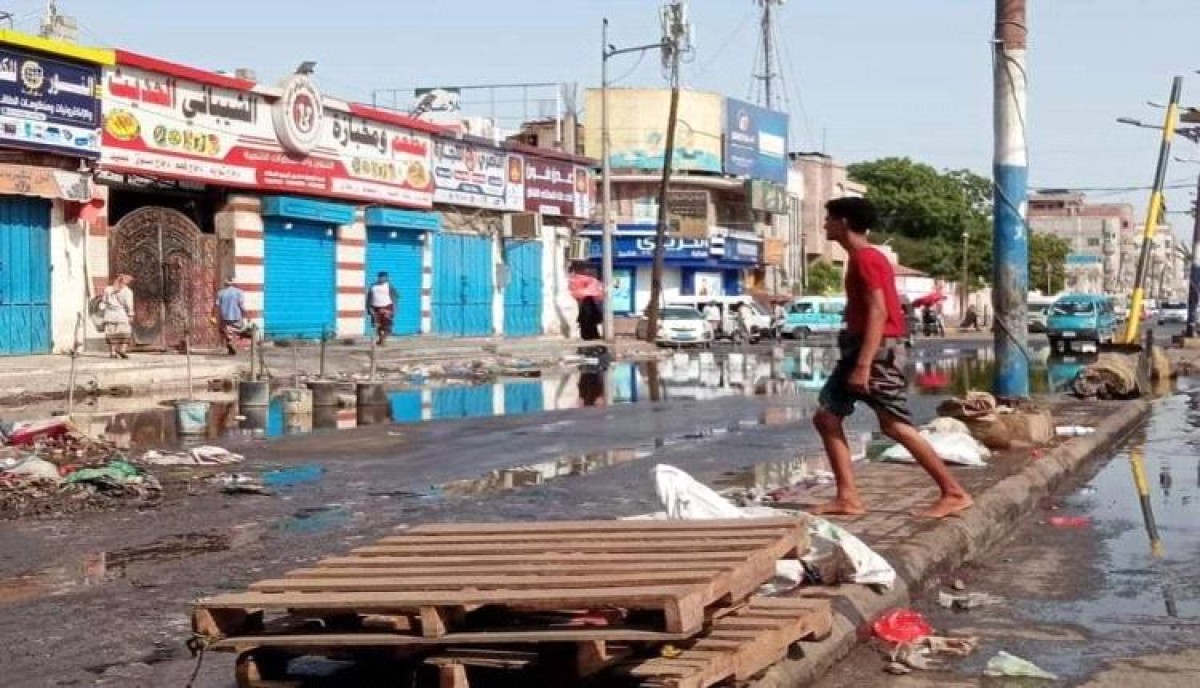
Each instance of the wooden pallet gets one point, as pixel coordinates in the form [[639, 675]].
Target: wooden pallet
[[437, 584], [737, 646]]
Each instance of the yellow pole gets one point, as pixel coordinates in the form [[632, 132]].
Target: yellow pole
[[1153, 214], [1137, 464]]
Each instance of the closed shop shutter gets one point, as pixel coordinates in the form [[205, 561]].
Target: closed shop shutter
[[300, 290], [24, 276], [399, 254]]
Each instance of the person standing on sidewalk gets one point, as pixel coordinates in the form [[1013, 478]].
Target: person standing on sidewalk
[[871, 367], [381, 306], [117, 307], [231, 309]]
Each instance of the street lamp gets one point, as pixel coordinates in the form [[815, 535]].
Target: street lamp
[[962, 298], [608, 51]]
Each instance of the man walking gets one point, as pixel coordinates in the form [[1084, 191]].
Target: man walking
[[381, 306], [871, 367], [231, 309]]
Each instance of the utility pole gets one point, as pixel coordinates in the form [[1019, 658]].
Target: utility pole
[[966, 278], [1153, 214], [767, 74], [1194, 273], [1010, 269], [675, 41]]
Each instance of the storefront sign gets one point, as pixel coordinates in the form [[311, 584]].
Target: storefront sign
[[638, 129], [774, 251], [164, 125], [642, 248], [755, 142], [480, 176], [557, 188], [688, 203], [742, 251], [49, 104], [44, 182]]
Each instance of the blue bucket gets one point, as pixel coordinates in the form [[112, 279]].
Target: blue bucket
[[192, 416]]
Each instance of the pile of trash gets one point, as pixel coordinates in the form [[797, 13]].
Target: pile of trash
[[50, 466], [1000, 427]]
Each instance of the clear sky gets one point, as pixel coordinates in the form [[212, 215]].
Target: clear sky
[[865, 78]]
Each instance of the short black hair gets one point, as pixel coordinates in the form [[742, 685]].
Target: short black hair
[[859, 213], [381, 275]]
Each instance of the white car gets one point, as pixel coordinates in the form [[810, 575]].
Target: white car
[[679, 326], [1172, 312]]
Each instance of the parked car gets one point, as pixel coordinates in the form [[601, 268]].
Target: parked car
[[679, 326], [757, 318], [810, 315], [1173, 312], [1081, 318], [1037, 311]]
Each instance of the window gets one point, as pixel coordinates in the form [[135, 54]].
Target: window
[[1093, 242], [833, 308], [802, 308]]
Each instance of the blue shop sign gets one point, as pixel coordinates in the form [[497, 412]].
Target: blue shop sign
[[49, 104], [756, 142], [642, 248], [742, 251]]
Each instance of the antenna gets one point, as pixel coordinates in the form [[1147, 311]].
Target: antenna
[[767, 72]]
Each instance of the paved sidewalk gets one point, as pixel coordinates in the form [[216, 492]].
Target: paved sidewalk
[[921, 550]]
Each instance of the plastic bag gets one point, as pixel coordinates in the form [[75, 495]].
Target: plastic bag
[[958, 448], [902, 626]]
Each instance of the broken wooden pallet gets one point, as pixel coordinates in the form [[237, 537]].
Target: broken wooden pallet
[[739, 645], [440, 584]]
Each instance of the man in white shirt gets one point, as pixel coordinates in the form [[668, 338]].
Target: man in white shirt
[[381, 306]]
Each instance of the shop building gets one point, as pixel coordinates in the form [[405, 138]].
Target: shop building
[[49, 139]]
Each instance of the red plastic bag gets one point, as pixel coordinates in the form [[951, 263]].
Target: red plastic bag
[[902, 626], [1070, 521]]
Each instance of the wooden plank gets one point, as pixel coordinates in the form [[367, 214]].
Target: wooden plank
[[459, 559], [614, 546], [571, 536], [497, 636], [635, 597], [433, 625], [453, 676], [600, 568], [481, 582], [483, 657], [600, 526]]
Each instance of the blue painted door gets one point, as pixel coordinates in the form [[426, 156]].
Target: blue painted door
[[406, 406], [462, 285], [523, 397], [523, 295], [300, 293], [398, 254], [24, 276], [462, 402]]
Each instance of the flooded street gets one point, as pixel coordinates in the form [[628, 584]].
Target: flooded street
[[1097, 588]]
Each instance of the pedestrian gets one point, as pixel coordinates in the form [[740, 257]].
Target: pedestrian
[[381, 306], [778, 318], [117, 306], [871, 367], [712, 314], [589, 293], [231, 310], [971, 319]]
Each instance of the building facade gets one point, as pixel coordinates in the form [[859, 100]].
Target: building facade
[[1099, 236]]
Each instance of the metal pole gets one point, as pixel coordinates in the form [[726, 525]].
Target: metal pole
[[1010, 270], [962, 292], [1194, 273], [1153, 213], [606, 245], [660, 236], [324, 339]]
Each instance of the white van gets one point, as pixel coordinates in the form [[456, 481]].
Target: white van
[[758, 319]]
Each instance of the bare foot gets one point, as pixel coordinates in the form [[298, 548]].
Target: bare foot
[[839, 507], [947, 506]]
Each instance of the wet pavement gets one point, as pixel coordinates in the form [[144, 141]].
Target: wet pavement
[[102, 598], [1102, 587]]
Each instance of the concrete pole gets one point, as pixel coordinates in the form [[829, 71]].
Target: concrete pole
[[1010, 270], [606, 238], [1194, 273]]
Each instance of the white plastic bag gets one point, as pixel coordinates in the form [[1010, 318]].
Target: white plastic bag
[[958, 448]]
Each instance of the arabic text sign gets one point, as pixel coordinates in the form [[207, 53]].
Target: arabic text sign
[[479, 176], [170, 126], [755, 142], [49, 104], [557, 188]]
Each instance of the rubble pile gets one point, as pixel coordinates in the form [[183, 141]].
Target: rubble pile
[[49, 466]]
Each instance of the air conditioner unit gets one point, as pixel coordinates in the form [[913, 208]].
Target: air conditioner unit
[[523, 226], [580, 249]]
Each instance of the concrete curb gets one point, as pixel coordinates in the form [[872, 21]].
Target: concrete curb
[[996, 513]]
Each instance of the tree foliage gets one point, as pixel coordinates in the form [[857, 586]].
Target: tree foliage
[[823, 278], [924, 213]]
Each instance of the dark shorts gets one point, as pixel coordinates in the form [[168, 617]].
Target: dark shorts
[[887, 387]]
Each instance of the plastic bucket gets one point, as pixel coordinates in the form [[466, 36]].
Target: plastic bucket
[[192, 417], [254, 393]]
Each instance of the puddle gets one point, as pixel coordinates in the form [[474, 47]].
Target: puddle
[[97, 567], [683, 377], [318, 519]]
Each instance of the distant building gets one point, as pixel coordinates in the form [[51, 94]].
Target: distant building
[[823, 179], [1099, 235]]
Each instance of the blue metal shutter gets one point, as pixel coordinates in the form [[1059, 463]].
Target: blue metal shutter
[[687, 282], [523, 295], [24, 276], [462, 285], [300, 293], [523, 397], [462, 402], [400, 257], [733, 282], [406, 406]]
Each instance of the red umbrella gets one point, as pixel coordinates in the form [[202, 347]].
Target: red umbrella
[[930, 299], [583, 286]]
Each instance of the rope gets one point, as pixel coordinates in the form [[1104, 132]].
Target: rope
[[197, 645]]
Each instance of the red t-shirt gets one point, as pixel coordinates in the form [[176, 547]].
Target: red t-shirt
[[868, 270]]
